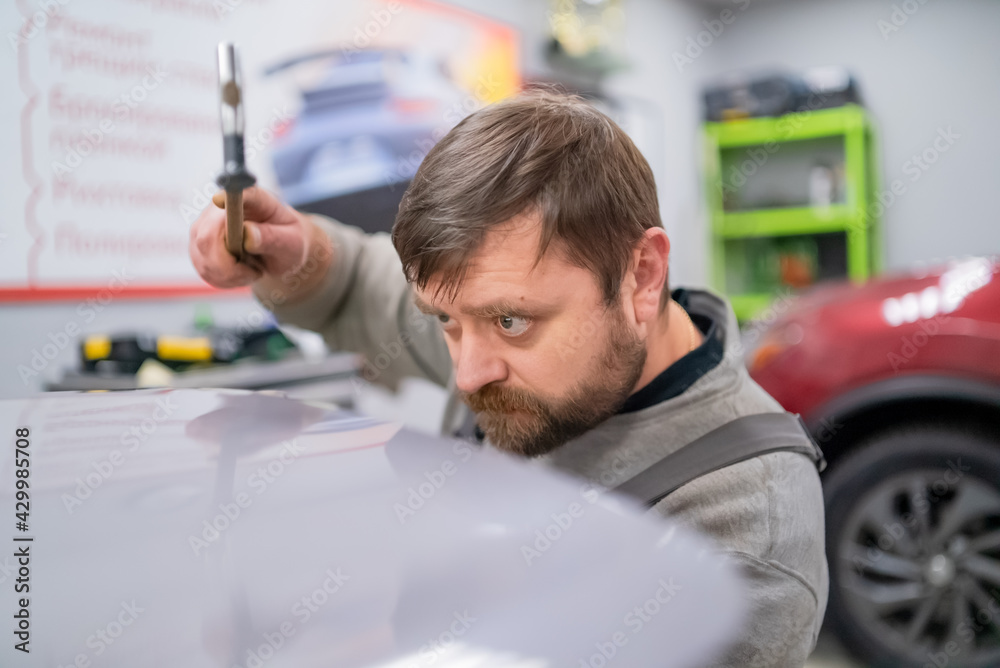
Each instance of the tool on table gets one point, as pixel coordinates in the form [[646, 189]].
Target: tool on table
[[234, 178]]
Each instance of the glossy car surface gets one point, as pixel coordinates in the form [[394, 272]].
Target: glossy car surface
[[842, 338], [225, 528]]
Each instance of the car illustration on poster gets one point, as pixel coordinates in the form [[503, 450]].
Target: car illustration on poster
[[367, 119]]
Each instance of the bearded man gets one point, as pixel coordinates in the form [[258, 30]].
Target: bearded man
[[527, 271]]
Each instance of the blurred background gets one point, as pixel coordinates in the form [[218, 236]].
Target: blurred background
[[802, 148]]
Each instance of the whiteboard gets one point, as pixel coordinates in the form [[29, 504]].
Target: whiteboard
[[111, 132]]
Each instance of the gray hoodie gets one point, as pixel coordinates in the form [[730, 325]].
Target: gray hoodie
[[765, 513]]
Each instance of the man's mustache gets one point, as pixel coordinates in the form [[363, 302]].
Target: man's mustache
[[501, 399]]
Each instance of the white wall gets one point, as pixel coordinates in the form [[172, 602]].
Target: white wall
[[654, 28]]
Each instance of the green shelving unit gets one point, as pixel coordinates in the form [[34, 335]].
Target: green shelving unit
[[847, 229]]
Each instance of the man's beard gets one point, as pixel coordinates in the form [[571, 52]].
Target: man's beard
[[523, 423]]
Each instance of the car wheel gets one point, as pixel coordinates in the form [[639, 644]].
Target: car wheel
[[913, 544]]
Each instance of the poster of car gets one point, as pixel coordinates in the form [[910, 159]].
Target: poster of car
[[117, 127]]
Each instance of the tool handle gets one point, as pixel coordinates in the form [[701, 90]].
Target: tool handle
[[234, 223]]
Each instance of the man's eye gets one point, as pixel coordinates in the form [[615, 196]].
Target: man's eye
[[443, 319], [512, 325]]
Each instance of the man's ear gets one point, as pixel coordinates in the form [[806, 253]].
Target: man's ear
[[650, 261]]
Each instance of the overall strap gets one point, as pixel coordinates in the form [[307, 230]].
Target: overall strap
[[744, 438]]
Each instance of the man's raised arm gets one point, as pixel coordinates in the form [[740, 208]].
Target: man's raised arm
[[318, 274]]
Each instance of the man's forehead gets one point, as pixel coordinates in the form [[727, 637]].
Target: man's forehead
[[514, 236], [506, 266]]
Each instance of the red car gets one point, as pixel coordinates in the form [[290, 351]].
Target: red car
[[899, 381]]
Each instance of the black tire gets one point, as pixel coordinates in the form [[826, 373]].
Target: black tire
[[913, 545]]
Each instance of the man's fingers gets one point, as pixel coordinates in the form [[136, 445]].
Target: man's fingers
[[215, 264], [255, 262], [224, 271], [282, 242], [211, 259], [238, 275], [251, 238], [261, 206], [258, 205], [274, 240]]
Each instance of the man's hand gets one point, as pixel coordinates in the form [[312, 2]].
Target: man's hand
[[287, 254]]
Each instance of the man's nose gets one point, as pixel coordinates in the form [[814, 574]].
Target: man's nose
[[477, 364]]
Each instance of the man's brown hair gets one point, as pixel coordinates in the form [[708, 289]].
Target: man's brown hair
[[540, 152]]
